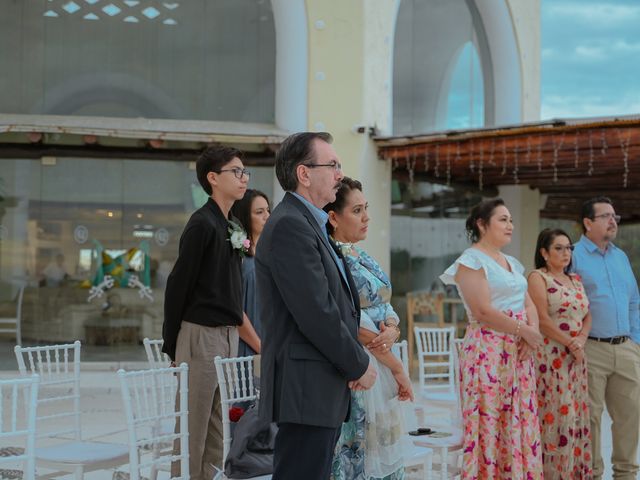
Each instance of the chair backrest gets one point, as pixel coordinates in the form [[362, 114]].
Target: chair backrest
[[59, 393], [425, 303], [14, 324], [155, 356], [422, 304], [235, 377], [400, 350], [18, 406], [158, 359], [435, 358], [142, 393]]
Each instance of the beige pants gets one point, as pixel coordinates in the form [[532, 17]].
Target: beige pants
[[614, 381], [197, 346]]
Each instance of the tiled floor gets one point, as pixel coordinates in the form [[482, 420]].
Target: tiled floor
[[102, 405]]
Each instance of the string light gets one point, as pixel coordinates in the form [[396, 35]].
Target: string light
[[448, 165], [576, 149], [624, 146], [515, 165], [528, 156], [556, 148], [491, 152], [436, 168], [481, 154], [540, 154], [504, 157], [591, 155], [603, 149]]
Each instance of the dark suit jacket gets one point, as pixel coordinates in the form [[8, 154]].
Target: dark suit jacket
[[309, 320]]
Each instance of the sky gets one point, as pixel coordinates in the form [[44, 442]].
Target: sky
[[590, 58]]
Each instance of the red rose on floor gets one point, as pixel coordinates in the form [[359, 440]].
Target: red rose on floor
[[564, 409], [557, 363], [235, 413]]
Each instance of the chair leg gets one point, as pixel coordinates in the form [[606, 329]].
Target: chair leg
[[153, 475], [79, 473]]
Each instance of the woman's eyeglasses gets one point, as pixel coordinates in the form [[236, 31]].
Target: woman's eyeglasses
[[563, 248]]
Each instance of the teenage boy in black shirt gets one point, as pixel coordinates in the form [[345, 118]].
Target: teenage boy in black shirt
[[203, 302]]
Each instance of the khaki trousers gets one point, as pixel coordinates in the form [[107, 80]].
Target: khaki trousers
[[197, 346], [614, 381]]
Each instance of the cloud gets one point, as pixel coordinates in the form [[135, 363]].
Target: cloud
[[584, 52], [581, 105], [597, 14]]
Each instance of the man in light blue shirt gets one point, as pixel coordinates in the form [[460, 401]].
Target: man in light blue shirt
[[612, 350]]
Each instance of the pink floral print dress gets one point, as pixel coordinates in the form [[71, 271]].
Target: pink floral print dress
[[498, 392], [563, 393]]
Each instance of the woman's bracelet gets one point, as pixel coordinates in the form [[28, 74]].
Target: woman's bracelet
[[518, 325]]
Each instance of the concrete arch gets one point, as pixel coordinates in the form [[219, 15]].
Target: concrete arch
[[501, 63], [121, 89], [493, 36]]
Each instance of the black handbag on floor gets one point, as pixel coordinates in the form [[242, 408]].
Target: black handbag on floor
[[251, 451]]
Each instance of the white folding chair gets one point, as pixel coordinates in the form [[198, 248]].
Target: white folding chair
[[167, 396], [146, 413], [156, 357], [436, 364], [59, 412], [13, 324], [18, 405], [400, 350], [235, 378]]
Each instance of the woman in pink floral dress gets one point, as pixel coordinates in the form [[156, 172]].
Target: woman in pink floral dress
[[498, 385], [563, 394]]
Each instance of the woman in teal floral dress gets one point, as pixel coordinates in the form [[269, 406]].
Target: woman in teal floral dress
[[371, 443]]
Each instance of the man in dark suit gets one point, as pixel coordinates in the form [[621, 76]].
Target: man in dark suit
[[310, 310]]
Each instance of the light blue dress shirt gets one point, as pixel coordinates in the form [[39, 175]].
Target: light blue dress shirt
[[322, 217], [611, 287]]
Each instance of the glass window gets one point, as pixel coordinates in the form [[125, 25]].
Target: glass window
[[195, 59], [63, 227]]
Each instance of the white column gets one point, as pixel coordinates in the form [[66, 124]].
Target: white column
[[524, 204], [292, 59]]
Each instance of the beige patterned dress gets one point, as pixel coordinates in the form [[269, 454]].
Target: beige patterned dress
[[563, 394]]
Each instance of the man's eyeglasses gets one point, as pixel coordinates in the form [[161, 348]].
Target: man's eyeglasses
[[238, 172], [337, 166], [564, 248], [609, 216]]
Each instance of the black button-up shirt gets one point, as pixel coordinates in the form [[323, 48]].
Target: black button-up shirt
[[205, 285]]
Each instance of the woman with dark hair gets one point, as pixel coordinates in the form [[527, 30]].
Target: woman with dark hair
[[501, 437], [563, 394], [371, 442], [252, 211]]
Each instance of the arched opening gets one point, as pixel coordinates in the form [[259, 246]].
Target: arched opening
[[465, 98]]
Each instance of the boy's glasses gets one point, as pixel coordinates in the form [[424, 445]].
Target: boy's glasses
[[238, 172]]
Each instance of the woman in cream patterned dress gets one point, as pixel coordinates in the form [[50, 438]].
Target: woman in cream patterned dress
[[501, 434], [563, 393]]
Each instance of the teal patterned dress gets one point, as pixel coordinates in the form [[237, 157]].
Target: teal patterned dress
[[358, 435]]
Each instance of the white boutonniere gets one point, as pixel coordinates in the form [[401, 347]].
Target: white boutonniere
[[238, 238]]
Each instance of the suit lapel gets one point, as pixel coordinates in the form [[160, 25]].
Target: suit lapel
[[348, 281]]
